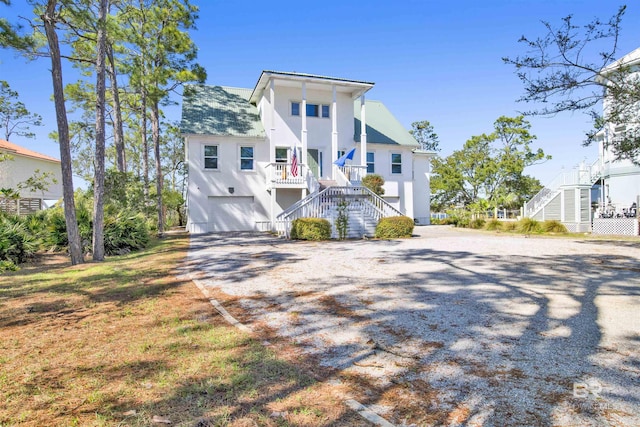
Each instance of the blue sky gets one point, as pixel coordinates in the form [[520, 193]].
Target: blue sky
[[431, 60]]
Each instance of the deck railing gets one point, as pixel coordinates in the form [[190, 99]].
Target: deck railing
[[280, 174], [585, 175]]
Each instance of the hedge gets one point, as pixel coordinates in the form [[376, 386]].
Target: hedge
[[310, 229], [394, 227]]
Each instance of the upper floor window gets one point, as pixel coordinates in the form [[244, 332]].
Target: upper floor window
[[295, 108], [313, 110], [281, 155], [211, 157], [396, 163], [246, 158], [371, 168]]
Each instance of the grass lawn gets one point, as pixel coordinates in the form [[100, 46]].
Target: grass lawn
[[126, 343]]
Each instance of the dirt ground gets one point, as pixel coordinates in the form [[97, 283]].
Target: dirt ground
[[451, 327]]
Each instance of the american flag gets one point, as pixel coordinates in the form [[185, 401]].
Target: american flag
[[294, 163]]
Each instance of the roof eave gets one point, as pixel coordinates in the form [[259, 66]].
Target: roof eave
[[360, 87]]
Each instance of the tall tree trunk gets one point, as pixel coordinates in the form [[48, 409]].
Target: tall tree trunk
[[98, 182], [155, 136], [118, 131], [73, 235], [145, 146]]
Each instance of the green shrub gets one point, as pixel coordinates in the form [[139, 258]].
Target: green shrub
[[125, 232], [529, 225], [553, 226], [449, 221], [509, 226], [493, 225], [311, 229], [459, 217], [394, 227], [476, 224], [7, 266], [374, 183], [16, 242]]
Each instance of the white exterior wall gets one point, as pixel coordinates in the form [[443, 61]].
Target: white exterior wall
[[13, 172], [204, 183], [422, 188], [398, 188], [621, 179]]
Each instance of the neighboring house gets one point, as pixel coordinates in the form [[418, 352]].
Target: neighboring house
[[21, 165], [587, 198], [260, 157]]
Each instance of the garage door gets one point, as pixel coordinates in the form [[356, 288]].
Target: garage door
[[231, 213]]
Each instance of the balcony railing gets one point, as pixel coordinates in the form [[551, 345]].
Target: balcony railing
[[280, 175], [353, 173]]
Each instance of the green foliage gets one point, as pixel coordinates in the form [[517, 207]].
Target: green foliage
[[493, 225], [125, 232], [476, 223], [6, 265], [311, 229], [15, 119], [124, 229], [553, 226], [17, 244], [374, 183], [529, 225], [488, 168], [394, 227], [342, 221], [425, 135], [458, 217]]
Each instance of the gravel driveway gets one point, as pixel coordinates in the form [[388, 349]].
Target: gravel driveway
[[452, 327]]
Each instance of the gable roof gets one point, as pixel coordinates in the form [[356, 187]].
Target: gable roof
[[354, 87], [382, 126], [219, 110], [14, 149]]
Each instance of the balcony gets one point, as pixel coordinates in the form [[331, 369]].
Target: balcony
[[279, 175]]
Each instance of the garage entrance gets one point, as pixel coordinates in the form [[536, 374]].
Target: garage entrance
[[231, 213]]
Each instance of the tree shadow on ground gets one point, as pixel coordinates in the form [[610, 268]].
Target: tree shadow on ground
[[468, 338]]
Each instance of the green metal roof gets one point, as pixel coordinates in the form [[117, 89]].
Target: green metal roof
[[382, 126], [219, 110]]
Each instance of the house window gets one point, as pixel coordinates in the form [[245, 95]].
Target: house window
[[396, 163], [281, 155], [312, 110], [246, 158], [341, 153], [371, 162], [211, 157]]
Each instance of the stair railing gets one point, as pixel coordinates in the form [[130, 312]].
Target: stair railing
[[318, 204]]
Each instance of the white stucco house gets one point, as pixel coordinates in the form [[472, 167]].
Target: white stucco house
[[602, 197], [262, 156], [20, 165]]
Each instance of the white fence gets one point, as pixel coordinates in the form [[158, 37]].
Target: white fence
[[616, 226]]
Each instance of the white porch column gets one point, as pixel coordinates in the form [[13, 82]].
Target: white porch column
[[334, 132], [272, 143], [303, 136], [272, 207], [363, 133]]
